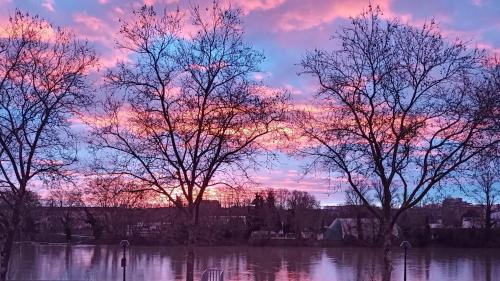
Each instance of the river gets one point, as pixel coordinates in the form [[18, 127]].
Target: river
[[80, 262]]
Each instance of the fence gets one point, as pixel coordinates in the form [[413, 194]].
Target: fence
[[212, 274]]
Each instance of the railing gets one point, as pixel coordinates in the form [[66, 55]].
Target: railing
[[212, 274]]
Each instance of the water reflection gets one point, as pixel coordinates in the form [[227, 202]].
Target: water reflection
[[61, 262]]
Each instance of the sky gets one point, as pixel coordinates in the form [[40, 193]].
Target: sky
[[283, 30]]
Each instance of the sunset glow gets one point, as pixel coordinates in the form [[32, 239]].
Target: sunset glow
[[282, 30]]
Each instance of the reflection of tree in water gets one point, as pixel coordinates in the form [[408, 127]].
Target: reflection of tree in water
[[259, 264], [177, 262], [487, 269], [355, 264], [67, 259], [298, 262], [482, 266], [264, 263], [42, 262], [420, 266], [231, 260], [95, 259]]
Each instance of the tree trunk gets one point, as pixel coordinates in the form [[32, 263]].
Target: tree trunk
[[190, 263], [8, 243], [488, 224], [359, 226], [190, 254], [192, 235], [387, 244]]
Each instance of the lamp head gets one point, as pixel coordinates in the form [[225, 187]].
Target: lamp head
[[405, 245]]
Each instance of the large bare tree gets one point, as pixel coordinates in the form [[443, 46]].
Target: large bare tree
[[400, 111], [42, 84], [186, 114]]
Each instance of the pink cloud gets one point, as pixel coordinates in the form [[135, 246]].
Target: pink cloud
[[153, 2], [118, 10], [312, 14], [102, 32], [49, 5], [90, 22], [251, 5], [489, 48], [477, 2]]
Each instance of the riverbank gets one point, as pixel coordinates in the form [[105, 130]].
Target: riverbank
[[454, 240]]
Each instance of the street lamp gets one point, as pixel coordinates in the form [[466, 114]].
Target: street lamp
[[124, 244], [405, 245]]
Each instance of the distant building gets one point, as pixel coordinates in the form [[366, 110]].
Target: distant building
[[454, 209], [472, 222], [472, 219], [330, 207], [451, 202], [209, 205], [495, 216], [141, 229]]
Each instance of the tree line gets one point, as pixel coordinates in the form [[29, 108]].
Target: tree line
[[399, 111]]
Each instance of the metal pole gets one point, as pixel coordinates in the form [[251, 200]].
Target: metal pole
[[405, 266], [125, 264], [124, 244], [405, 245]]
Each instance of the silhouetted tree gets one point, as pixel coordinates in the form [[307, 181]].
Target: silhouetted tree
[[42, 84], [110, 191], [481, 182], [301, 206], [95, 224], [64, 200], [282, 196], [400, 108], [67, 223], [256, 218], [187, 112]]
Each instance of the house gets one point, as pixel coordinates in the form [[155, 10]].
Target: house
[[472, 219], [495, 217], [437, 224], [472, 222], [141, 229], [366, 229]]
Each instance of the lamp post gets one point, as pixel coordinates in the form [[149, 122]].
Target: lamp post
[[405, 245], [124, 244]]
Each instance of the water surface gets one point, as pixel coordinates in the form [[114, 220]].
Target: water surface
[[61, 262]]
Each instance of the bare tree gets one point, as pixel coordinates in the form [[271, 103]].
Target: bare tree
[[352, 198], [234, 196], [63, 200], [42, 84], [109, 202], [481, 182], [400, 108], [282, 195], [302, 206], [114, 192], [189, 116]]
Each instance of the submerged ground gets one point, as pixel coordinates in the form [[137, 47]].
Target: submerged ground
[[61, 262]]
